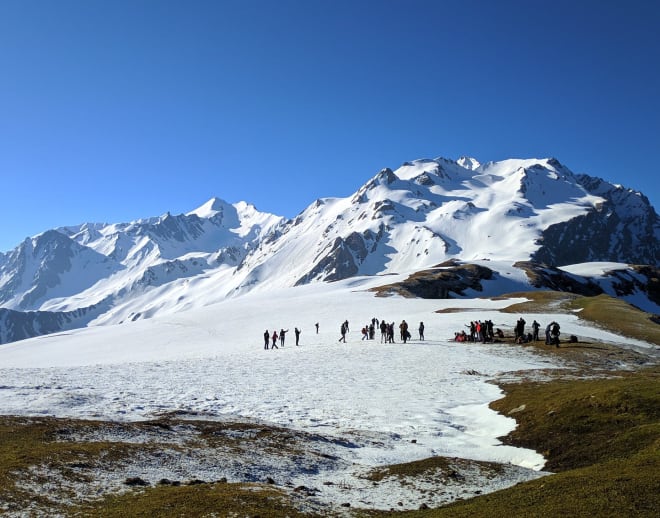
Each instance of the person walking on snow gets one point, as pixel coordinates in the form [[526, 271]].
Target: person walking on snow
[[343, 333], [274, 337]]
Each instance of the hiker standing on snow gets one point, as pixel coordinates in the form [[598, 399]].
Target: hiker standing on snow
[[535, 329], [520, 328], [282, 335], [403, 327], [554, 334], [421, 330], [547, 333], [297, 331], [266, 339], [317, 328]]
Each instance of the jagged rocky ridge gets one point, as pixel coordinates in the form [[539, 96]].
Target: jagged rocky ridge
[[425, 213]]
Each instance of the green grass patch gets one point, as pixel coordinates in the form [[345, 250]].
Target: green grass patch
[[545, 301], [617, 316], [447, 466], [410, 469], [577, 423], [611, 489], [197, 500], [604, 311], [601, 436]]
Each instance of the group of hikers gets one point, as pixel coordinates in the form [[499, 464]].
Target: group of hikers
[[368, 333], [386, 331], [479, 331], [485, 332], [282, 337]]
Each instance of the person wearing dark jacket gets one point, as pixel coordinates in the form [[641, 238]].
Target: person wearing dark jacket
[[535, 329], [266, 339], [554, 334]]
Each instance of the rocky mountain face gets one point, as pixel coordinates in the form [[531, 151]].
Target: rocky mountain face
[[425, 213], [623, 227], [18, 325]]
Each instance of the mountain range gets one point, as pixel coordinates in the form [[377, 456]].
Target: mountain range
[[532, 221]]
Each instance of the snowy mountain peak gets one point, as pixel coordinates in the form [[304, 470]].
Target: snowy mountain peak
[[386, 176], [210, 208], [424, 213], [468, 163]]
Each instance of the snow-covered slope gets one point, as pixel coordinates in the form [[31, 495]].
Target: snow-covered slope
[[210, 363], [424, 213]]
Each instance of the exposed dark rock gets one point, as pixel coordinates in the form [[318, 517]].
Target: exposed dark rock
[[543, 276], [447, 280], [135, 481]]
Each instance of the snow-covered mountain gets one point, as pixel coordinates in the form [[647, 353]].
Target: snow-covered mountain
[[425, 213]]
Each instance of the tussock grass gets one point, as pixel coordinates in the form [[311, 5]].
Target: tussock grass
[[198, 500], [26, 443], [409, 469], [43, 460]]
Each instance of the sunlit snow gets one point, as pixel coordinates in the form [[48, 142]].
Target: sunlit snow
[[212, 361]]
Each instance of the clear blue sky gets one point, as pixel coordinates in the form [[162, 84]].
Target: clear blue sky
[[116, 110]]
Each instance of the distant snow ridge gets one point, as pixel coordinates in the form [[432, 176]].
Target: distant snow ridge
[[422, 214]]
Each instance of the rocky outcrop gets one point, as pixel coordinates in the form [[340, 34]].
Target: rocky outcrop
[[446, 281]]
